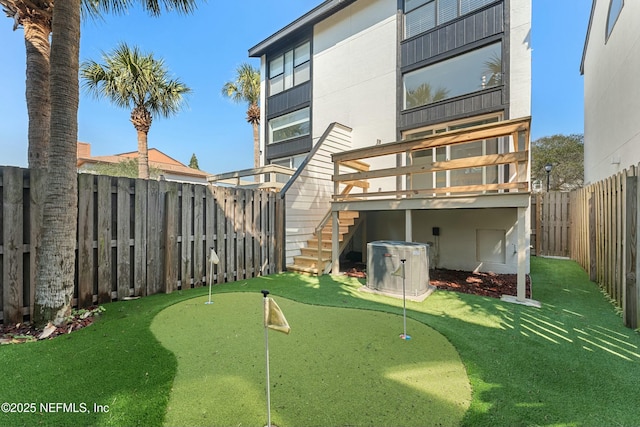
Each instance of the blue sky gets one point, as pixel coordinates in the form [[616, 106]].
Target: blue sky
[[204, 49]]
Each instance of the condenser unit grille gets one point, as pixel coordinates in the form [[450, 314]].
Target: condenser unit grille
[[384, 268]]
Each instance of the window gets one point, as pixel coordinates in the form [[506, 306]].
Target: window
[[422, 15], [289, 126], [476, 70], [455, 177], [289, 69], [292, 162], [615, 6]]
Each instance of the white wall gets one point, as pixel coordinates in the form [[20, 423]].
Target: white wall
[[612, 93], [354, 72], [520, 59]]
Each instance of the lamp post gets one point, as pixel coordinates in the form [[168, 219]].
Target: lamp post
[[548, 168]]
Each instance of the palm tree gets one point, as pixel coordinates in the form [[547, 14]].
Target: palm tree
[[424, 94], [56, 254], [246, 88], [35, 18], [131, 79]]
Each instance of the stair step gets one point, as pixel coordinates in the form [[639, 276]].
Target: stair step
[[328, 235], [341, 230], [348, 214], [302, 270], [313, 251], [309, 261], [313, 243]]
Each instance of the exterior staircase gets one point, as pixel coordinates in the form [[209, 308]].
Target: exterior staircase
[[312, 263]]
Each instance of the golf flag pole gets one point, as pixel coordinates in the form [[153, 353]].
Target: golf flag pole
[[266, 347], [404, 336], [213, 259], [273, 319]]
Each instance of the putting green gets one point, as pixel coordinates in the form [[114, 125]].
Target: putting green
[[338, 366]]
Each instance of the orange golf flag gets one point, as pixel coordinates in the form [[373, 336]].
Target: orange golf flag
[[273, 317]]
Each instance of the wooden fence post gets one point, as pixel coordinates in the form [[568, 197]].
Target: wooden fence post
[[104, 239], [630, 294], [12, 260], [86, 264], [592, 238], [171, 238]]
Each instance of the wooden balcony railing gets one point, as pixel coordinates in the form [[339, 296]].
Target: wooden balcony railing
[[513, 152], [272, 177]]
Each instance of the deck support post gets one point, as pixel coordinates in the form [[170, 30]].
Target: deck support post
[[522, 255], [408, 226], [335, 243]]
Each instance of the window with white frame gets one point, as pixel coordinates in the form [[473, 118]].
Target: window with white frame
[[423, 15], [290, 68], [289, 126], [472, 71]]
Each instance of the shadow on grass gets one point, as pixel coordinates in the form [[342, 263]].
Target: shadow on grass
[[572, 362]]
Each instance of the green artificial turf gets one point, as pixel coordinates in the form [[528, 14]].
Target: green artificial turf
[[337, 367], [569, 363]]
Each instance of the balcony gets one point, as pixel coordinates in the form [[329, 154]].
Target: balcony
[[480, 166]]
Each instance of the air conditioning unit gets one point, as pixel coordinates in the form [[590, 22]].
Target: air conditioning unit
[[384, 268]]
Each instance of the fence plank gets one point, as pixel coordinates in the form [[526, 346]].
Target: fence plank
[[219, 196], [12, 259], [231, 236], [630, 308], [239, 232], [154, 237], [198, 236], [86, 270], [171, 263], [104, 239], [210, 231], [140, 239], [123, 229]]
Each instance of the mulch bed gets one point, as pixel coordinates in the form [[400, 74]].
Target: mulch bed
[[16, 333], [483, 284]]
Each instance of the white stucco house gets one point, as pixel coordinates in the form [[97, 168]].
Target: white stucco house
[[610, 64], [405, 120]]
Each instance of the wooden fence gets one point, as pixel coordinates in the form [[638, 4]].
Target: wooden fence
[[550, 224], [604, 239], [138, 237]]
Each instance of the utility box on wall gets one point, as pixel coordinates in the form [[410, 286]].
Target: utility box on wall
[[384, 268]]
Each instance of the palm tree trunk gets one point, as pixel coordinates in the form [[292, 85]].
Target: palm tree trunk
[[36, 37], [56, 266], [256, 145], [143, 155]]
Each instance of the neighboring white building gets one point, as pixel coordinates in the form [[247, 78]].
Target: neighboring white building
[[366, 75], [611, 66]]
